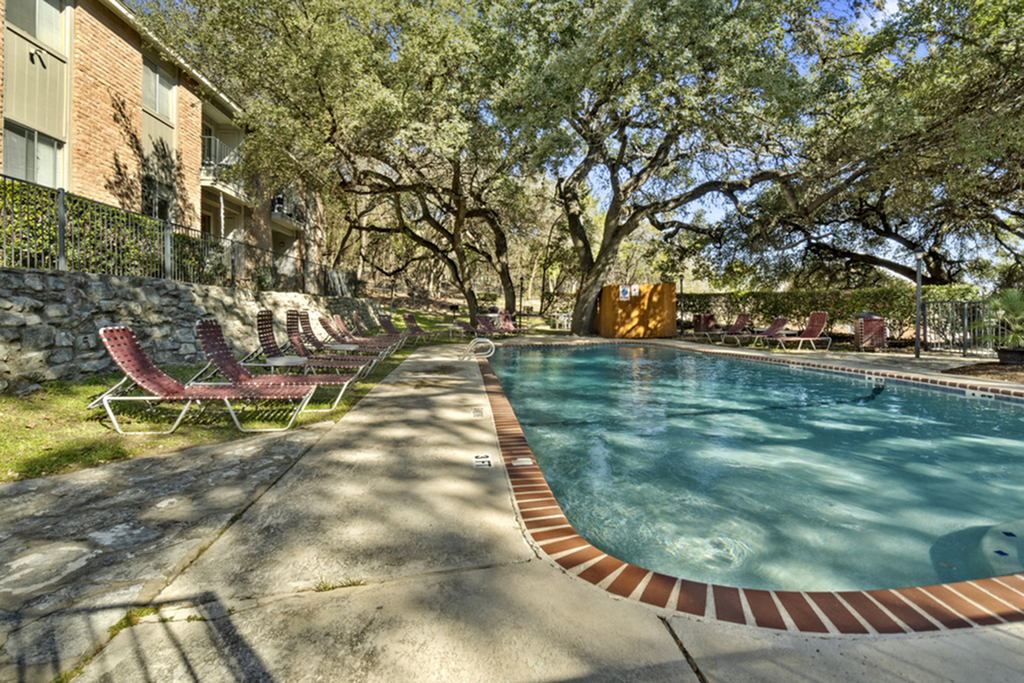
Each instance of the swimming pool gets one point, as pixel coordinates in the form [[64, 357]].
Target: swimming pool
[[747, 474]]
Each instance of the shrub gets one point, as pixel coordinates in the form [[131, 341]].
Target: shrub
[[897, 304]]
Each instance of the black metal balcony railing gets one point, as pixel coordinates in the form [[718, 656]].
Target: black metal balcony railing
[[51, 229]]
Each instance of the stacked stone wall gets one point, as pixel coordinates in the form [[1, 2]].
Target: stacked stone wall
[[50, 320]]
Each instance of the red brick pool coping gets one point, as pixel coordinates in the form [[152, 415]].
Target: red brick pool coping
[[942, 607]]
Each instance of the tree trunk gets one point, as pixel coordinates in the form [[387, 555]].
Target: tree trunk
[[590, 289], [506, 284]]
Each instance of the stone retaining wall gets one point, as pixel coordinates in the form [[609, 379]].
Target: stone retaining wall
[[49, 320]]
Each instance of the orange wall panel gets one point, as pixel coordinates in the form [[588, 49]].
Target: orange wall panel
[[648, 315]]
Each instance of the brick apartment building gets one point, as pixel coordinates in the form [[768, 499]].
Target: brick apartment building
[[89, 106]]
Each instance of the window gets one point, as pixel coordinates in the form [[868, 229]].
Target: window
[[39, 18], [157, 198], [31, 156], [157, 89]]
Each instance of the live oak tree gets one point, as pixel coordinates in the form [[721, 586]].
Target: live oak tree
[[656, 104], [916, 145], [367, 98]]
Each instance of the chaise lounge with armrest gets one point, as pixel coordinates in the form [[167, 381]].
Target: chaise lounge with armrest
[[414, 327], [124, 348], [484, 323], [506, 325], [773, 330], [366, 342], [814, 333], [211, 339], [297, 324], [265, 330], [736, 328]]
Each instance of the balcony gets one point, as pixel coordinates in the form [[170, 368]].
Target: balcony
[[286, 207], [218, 157]]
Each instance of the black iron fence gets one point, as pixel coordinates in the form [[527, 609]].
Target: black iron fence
[[957, 326], [50, 229]]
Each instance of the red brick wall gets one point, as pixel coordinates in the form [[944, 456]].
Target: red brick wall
[[190, 146], [107, 66], [107, 69]]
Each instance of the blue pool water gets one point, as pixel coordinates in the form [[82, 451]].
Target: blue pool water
[[755, 475]]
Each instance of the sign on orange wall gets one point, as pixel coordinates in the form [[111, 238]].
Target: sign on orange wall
[[637, 311]]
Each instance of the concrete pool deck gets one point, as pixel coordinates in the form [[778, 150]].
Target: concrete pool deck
[[386, 552]]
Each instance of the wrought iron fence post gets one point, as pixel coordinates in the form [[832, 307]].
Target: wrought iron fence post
[[964, 309], [168, 255], [62, 217]]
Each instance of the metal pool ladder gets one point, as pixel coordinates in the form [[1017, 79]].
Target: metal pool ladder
[[481, 347]]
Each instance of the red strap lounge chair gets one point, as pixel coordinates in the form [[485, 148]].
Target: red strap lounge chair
[[298, 322], [380, 343], [704, 323], [337, 362], [125, 350], [484, 323], [506, 325], [772, 331], [360, 332], [736, 328], [211, 338], [814, 333], [265, 329], [414, 327], [392, 331]]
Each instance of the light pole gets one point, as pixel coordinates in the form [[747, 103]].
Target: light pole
[[522, 303], [919, 255]]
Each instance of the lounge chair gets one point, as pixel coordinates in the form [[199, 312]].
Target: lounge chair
[[414, 327], [297, 322], [814, 333], [392, 331], [265, 330], [338, 362], [125, 350], [703, 323], [772, 331], [359, 331], [736, 328], [506, 325], [211, 338], [484, 323], [367, 342], [469, 329]]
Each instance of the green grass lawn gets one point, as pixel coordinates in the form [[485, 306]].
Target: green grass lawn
[[50, 431]]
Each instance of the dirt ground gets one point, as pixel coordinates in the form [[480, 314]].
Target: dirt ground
[[1008, 373]]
